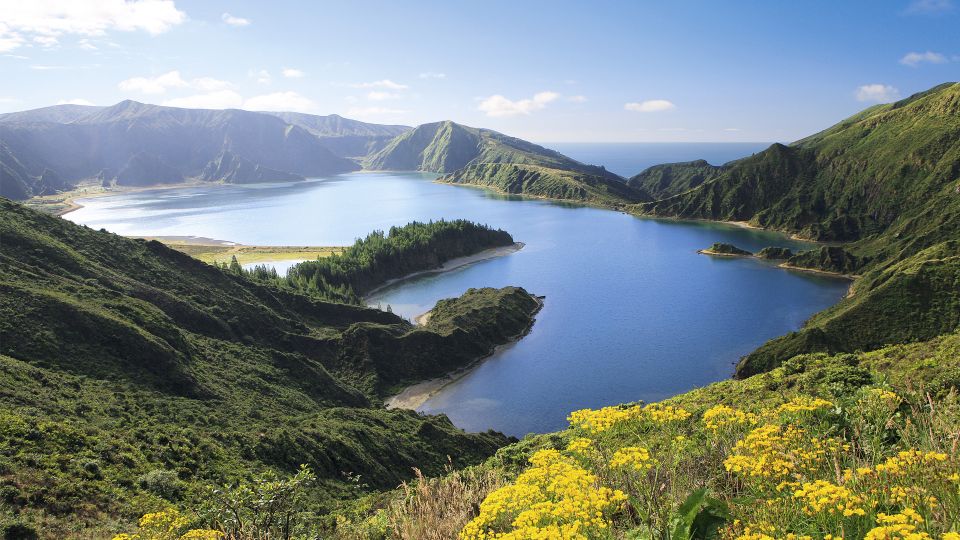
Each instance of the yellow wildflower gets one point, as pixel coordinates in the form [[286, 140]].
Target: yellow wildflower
[[804, 404], [722, 417], [632, 457], [821, 497]]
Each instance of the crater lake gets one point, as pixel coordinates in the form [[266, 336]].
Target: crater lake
[[632, 311]]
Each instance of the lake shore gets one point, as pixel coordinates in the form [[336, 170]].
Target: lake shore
[[452, 264], [65, 202], [783, 265], [415, 395]]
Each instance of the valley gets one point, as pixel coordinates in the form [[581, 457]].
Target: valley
[[268, 370]]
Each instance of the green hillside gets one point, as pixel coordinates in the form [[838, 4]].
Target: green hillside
[[885, 182], [915, 299], [882, 168], [545, 182], [485, 158], [132, 375], [669, 179], [860, 445]]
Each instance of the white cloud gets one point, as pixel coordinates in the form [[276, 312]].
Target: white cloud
[[280, 101], [86, 45], [234, 21], [912, 59], [43, 22], [209, 84], [292, 73], [929, 6], [651, 105], [262, 76], [881, 93], [9, 42], [732, 129], [577, 99], [75, 101], [433, 75], [499, 106], [46, 41], [223, 99], [172, 79], [378, 95], [154, 85], [383, 83]]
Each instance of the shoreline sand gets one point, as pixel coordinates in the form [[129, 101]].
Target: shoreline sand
[[782, 266], [415, 395]]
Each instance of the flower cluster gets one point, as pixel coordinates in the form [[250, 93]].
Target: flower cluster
[[662, 414], [580, 446], [903, 525], [801, 404], [821, 496], [553, 498], [168, 525], [632, 458], [600, 420], [722, 417], [910, 460], [780, 453]]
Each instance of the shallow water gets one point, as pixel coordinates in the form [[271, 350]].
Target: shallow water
[[632, 312]]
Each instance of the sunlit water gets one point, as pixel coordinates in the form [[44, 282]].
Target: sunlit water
[[632, 312]]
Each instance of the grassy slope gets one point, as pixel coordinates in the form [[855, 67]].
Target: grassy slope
[[915, 299], [856, 179], [885, 182], [669, 179], [486, 158], [132, 374], [545, 182], [927, 373]]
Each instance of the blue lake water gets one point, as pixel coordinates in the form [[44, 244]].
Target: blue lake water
[[632, 312]]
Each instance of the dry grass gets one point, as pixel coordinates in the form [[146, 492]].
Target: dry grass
[[437, 508]]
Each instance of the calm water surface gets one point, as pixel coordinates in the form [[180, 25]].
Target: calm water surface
[[632, 311]]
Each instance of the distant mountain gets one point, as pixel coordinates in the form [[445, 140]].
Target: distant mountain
[[335, 125], [343, 136], [136, 144], [444, 147], [487, 158], [58, 114]]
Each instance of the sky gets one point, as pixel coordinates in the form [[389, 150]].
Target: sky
[[561, 71]]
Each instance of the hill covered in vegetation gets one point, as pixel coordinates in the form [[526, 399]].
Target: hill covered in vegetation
[[132, 377], [885, 183], [669, 179], [486, 158], [825, 446], [545, 182], [383, 256]]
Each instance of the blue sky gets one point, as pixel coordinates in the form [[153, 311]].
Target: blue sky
[[545, 71]]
